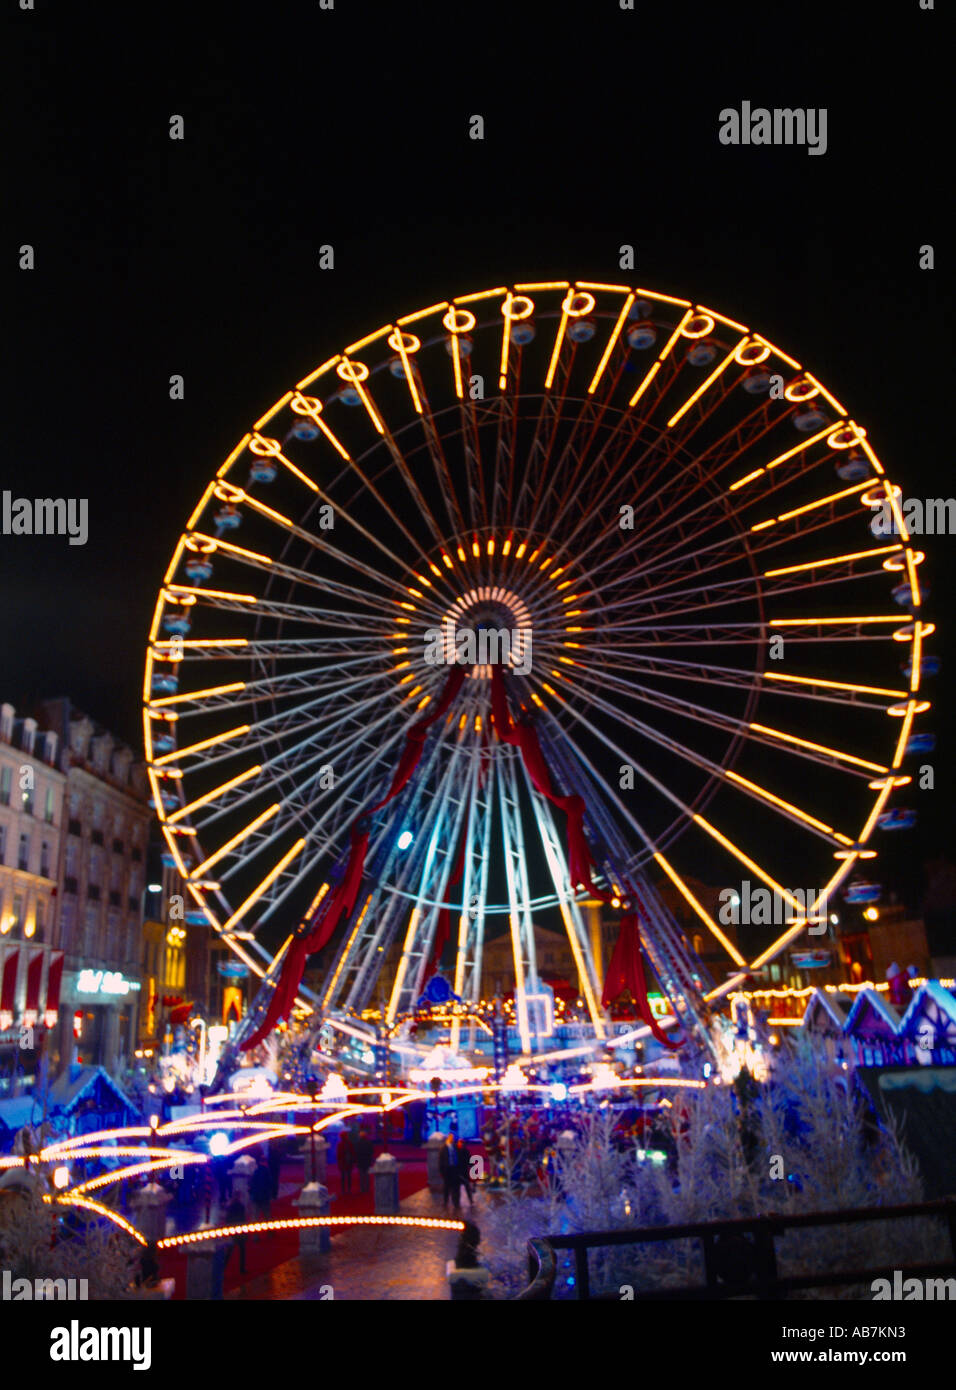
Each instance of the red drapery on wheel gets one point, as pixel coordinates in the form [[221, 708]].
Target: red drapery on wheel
[[625, 971], [524, 737], [443, 931], [341, 900]]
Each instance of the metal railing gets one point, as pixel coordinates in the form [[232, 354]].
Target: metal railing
[[740, 1256]]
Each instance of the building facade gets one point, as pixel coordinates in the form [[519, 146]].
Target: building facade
[[32, 786], [102, 884]]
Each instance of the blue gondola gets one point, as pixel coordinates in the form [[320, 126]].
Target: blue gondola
[[701, 353], [756, 381], [920, 743], [227, 519], [853, 468], [465, 344], [262, 471], [642, 335], [808, 421], [928, 666], [522, 334], [306, 430], [198, 568], [165, 683], [582, 330], [349, 396], [899, 818], [177, 623], [860, 891]]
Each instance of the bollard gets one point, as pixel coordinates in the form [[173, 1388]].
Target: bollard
[[313, 1201], [321, 1159], [466, 1285], [385, 1182], [433, 1148], [241, 1172], [205, 1267], [148, 1206]]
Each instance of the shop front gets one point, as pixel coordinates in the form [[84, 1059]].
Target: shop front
[[98, 1018]]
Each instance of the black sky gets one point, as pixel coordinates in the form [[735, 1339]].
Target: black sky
[[350, 127]]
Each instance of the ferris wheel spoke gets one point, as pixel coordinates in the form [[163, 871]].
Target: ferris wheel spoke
[[279, 569], [687, 709], [688, 811], [736, 591], [738, 678]]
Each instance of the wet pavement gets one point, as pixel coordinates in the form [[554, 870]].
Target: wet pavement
[[370, 1263]]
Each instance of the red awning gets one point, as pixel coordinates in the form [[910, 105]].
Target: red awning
[[8, 986], [54, 978], [34, 976]]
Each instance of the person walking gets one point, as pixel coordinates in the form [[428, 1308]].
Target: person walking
[[345, 1158], [364, 1153], [236, 1216], [260, 1190], [449, 1167], [205, 1191], [464, 1167], [275, 1165]]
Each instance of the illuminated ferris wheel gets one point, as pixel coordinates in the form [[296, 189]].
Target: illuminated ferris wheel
[[655, 528]]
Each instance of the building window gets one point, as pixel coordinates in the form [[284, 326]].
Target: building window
[[40, 919], [44, 860], [23, 857], [17, 912], [3, 844], [67, 923], [91, 931], [97, 815], [6, 781], [27, 796], [112, 938], [48, 806]]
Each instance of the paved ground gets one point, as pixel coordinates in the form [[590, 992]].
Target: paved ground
[[369, 1263]]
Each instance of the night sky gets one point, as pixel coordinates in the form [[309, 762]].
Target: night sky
[[350, 127]]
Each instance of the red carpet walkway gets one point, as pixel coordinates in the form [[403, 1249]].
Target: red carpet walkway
[[265, 1252]]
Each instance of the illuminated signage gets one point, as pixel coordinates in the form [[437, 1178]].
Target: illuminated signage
[[104, 982]]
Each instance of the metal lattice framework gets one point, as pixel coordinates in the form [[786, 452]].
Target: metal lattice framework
[[670, 516]]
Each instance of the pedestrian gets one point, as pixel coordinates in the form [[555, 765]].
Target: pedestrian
[[148, 1276], [236, 1216], [205, 1191], [364, 1152], [449, 1167], [345, 1158], [275, 1165], [221, 1167], [464, 1166], [260, 1190]]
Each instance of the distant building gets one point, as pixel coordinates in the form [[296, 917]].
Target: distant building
[[101, 881], [31, 824]]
